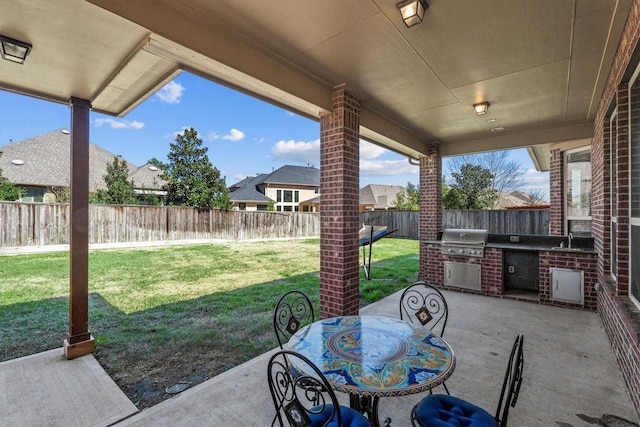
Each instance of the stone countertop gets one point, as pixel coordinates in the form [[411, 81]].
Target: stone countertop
[[538, 247]]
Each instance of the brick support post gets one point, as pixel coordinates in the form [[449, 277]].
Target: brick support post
[[556, 193], [623, 190], [430, 218], [339, 212]]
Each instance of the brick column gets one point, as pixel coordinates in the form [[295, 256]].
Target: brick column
[[339, 212], [600, 193], [623, 190], [430, 217], [556, 194]]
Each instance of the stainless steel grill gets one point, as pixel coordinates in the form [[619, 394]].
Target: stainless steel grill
[[464, 242]]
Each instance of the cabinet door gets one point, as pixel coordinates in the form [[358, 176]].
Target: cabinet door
[[462, 275], [567, 285]]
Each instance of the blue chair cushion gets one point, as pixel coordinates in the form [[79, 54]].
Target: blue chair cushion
[[443, 410], [350, 418]]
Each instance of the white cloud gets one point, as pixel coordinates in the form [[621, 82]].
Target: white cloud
[[301, 152], [118, 124], [171, 93], [234, 135], [176, 133], [386, 167], [309, 152], [371, 151]]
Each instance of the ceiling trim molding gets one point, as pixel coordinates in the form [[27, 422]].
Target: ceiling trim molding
[[579, 131]]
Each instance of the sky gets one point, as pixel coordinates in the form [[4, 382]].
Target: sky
[[245, 136]]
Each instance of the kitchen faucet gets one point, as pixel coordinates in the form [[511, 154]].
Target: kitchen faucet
[[570, 239]]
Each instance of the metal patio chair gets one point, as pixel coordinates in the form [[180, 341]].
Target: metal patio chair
[[293, 311], [444, 410], [303, 397], [423, 304]]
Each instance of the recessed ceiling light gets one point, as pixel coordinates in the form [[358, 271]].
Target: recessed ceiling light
[[491, 120], [17, 162], [498, 129]]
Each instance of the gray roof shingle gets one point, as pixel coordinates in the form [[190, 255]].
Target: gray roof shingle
[[299, 175], [247, 191], [147, 177], [46, 162]]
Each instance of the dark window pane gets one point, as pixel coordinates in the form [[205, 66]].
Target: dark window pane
[[634, 129], [634, 262]]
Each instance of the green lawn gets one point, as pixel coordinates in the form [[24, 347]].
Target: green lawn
[[176, 314]]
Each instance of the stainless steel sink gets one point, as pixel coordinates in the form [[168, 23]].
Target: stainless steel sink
[[557, 248]]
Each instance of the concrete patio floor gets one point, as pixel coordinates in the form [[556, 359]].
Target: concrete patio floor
[[571, 378]]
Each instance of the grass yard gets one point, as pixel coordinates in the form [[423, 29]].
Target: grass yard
[[163, 316]]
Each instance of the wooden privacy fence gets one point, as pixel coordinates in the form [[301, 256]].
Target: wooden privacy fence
[[39, 224], [521, 221]]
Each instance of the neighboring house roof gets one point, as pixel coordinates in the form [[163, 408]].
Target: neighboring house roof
[[298, 175], [45, 161], [517, 199], [381, 196], [147, 177], [247, 191]]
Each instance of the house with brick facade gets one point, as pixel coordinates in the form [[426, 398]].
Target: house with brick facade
[[471, 77]]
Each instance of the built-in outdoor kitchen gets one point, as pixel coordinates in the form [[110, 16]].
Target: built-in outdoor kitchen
[[553, 270]]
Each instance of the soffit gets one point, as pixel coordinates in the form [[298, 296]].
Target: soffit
[[541, 64]]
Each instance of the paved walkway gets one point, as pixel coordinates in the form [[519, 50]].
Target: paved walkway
[[571, 378]]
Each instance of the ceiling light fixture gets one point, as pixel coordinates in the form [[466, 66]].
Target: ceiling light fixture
[[481, 108], [14, 50], [412, 11]]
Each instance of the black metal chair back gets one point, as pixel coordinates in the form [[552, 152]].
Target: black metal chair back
[[424, 304], [512, 382], [293, 311], [446, 410], [300, 399]]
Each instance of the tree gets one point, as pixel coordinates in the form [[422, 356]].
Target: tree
[[191, 179], [471, 190], [62, 194], [271, 206], [119, 191], [8, 190], [507, 174], [407, 198]]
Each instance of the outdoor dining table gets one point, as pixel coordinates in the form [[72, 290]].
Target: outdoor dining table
[[371, 357]]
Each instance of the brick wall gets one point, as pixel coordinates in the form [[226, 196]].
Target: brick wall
[[620, 321], [621, 318], [573, 261], [492, 273], [340, 217]]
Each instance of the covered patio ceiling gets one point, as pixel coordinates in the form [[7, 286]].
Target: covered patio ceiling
[[542, 64]]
